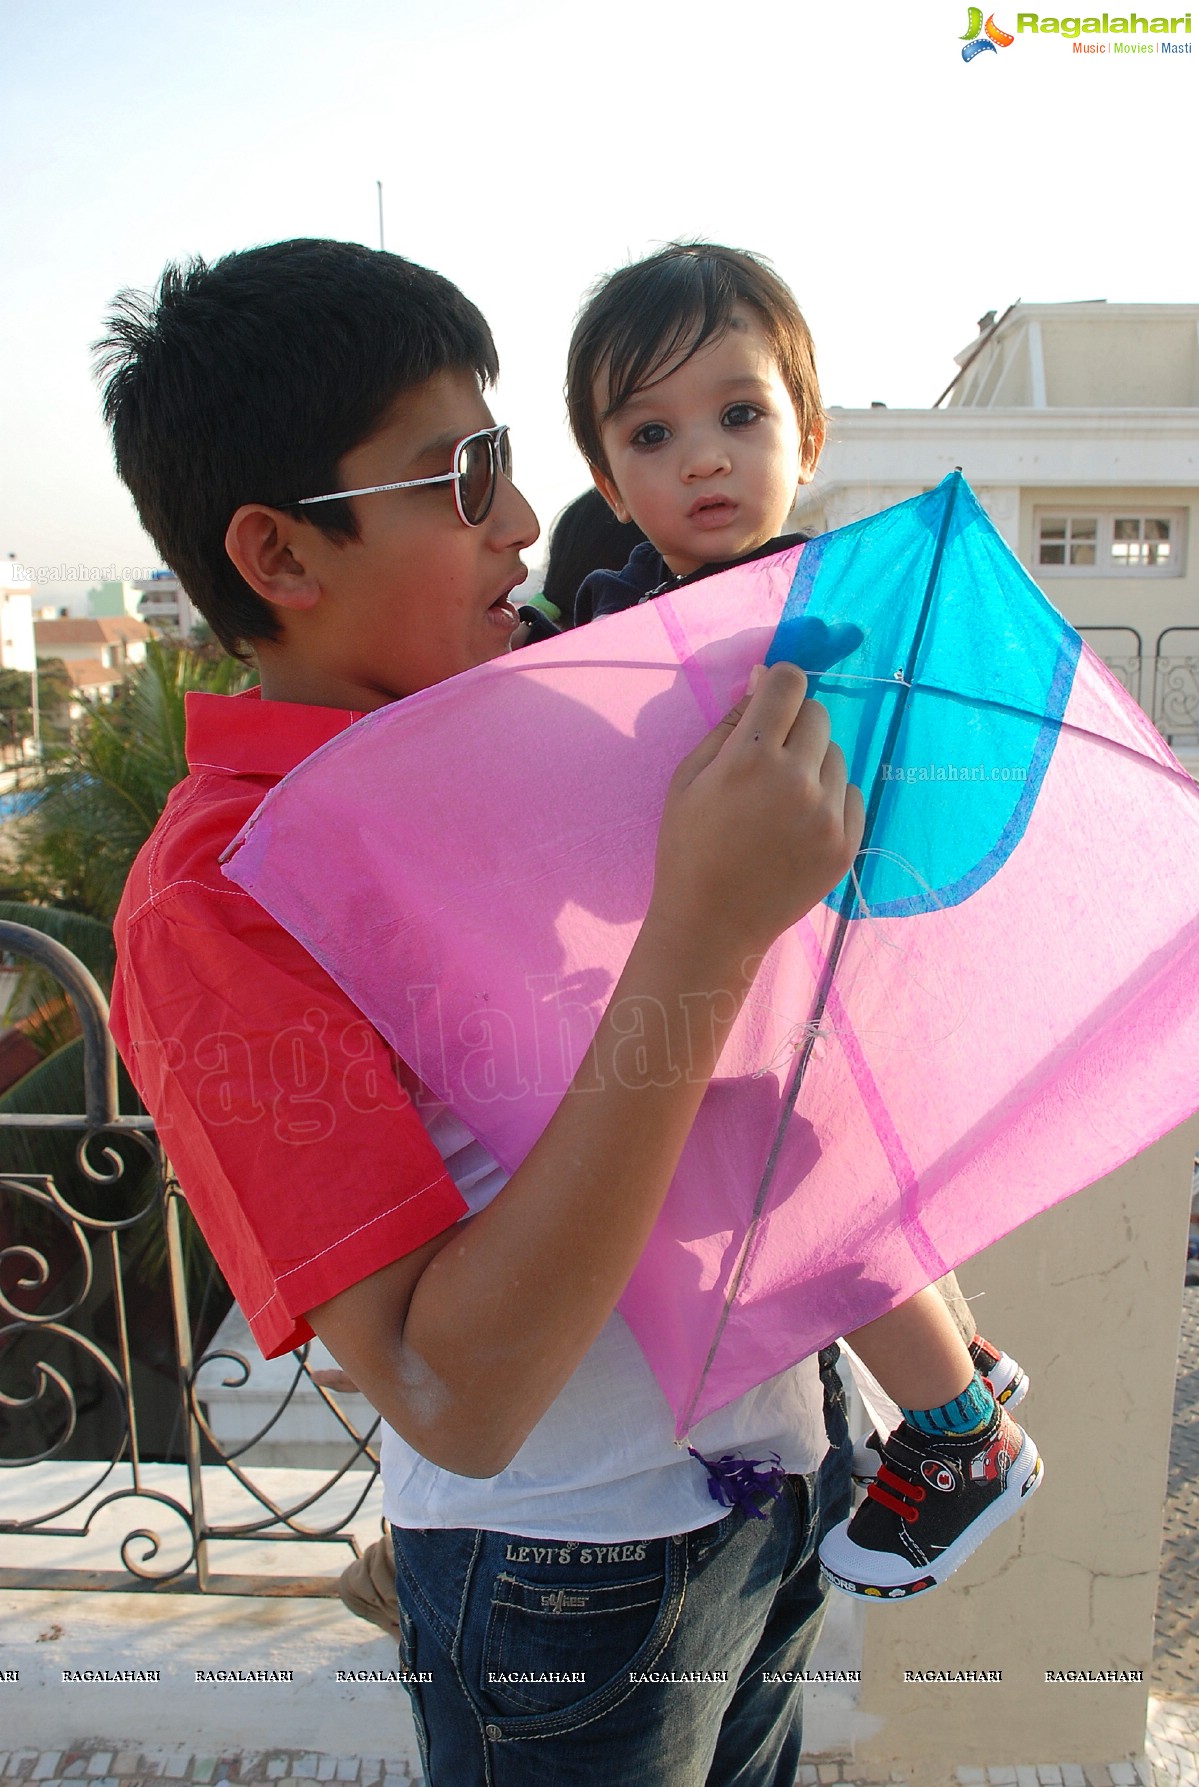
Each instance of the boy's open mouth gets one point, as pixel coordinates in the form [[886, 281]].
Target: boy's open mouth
[[503, 607]]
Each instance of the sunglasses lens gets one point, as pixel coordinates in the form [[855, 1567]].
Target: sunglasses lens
[[476, 477]]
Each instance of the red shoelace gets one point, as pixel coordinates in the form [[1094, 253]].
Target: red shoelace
[[901, 1503]]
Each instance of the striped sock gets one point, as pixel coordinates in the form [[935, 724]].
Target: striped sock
[[968, 1413]]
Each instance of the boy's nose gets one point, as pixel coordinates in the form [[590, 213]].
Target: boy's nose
[[514, 521]]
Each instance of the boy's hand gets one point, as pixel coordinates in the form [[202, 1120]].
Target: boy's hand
[[760, 821]]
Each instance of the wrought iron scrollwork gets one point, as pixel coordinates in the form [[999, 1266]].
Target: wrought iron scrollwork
[[1176, 683], [82, 1267], [1122, 650]]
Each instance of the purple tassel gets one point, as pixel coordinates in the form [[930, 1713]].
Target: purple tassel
[[736, 1482]]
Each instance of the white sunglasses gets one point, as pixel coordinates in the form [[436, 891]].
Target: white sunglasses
[[478, 459]]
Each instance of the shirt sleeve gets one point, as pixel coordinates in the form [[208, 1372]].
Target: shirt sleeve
[[296, 1144]]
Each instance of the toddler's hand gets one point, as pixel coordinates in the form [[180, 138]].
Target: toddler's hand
[[760, 821]]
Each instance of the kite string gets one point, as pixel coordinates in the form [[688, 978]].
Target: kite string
[[897, 681]]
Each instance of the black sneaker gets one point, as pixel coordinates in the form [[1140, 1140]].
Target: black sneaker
[[1008, 1383], [935, 1499], [867, 1456], [1008, 1380]]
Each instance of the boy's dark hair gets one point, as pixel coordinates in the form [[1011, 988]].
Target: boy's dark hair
[[249, 379], [641, 318]]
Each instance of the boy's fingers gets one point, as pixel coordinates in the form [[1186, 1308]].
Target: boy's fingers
[[333, 1378], [768, 710], [844, 795], [810, 731], [771, 710], [855, 816], [776, 701], [710, 746]]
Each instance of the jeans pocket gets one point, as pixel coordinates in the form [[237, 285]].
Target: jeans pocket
[[558, 1640]]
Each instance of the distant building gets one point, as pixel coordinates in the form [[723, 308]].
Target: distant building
[[1077, 426], [16, 619], [164, 604], [108, 600], [97, 653]]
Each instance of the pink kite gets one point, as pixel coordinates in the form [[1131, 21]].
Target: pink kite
[[997, 1008]]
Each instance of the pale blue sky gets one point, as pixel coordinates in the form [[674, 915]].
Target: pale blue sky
[[532, 146]]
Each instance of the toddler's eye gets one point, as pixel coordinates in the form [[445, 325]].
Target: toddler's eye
[[741, 415], [650, 434]]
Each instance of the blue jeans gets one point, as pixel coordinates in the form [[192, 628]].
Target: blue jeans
[[602, 1625]]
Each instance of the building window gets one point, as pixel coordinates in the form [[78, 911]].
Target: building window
[[1109, 544], [1141, 540], [1068, 539]]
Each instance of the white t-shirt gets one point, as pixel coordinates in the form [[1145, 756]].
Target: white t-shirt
[[603, 1462]]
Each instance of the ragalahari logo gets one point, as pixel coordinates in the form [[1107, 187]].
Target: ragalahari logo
[[979, 37]]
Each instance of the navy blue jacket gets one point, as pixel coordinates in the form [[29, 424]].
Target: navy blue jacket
[[647, 574]]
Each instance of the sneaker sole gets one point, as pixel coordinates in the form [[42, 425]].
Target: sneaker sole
[[1024, 1478], [1009, 1386]]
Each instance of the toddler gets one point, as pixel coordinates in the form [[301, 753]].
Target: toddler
[[692, 394]]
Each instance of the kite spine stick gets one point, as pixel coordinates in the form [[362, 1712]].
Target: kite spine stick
[[848, 899]]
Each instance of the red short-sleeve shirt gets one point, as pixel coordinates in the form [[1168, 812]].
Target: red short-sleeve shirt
[[282, 1110]]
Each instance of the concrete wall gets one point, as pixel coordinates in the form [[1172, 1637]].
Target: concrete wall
[[1122, 361], [1067, 356], [1088, 1298]]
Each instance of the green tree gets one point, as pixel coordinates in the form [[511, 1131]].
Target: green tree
[[54, 704], [103, 794], [16, 707]]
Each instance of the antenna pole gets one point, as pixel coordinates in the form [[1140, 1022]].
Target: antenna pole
[[379, 189]]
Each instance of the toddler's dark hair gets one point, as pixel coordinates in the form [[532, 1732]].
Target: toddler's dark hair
[[249, 379], [639, 319]]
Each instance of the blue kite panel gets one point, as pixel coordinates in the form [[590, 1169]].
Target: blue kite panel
[[948, 722]]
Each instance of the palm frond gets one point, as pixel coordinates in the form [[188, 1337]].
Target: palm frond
[[102, 797]]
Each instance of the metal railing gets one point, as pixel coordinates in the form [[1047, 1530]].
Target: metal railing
[[1122, 650], [1173, 703], [87, 1249], [1175, 710]]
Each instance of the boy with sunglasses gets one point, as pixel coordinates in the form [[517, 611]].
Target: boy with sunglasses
[[304, 431], [692, 394]]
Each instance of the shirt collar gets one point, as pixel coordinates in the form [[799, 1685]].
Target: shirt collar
[[245, 735]]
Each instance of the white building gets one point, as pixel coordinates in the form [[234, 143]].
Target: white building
[[164, 604], [1077, 425], [16, 618]]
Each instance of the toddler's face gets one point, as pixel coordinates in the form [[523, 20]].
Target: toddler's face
[[707, 460]]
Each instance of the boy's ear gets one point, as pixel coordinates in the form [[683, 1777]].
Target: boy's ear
[[813, 447], [610, 494], [262, 544]]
